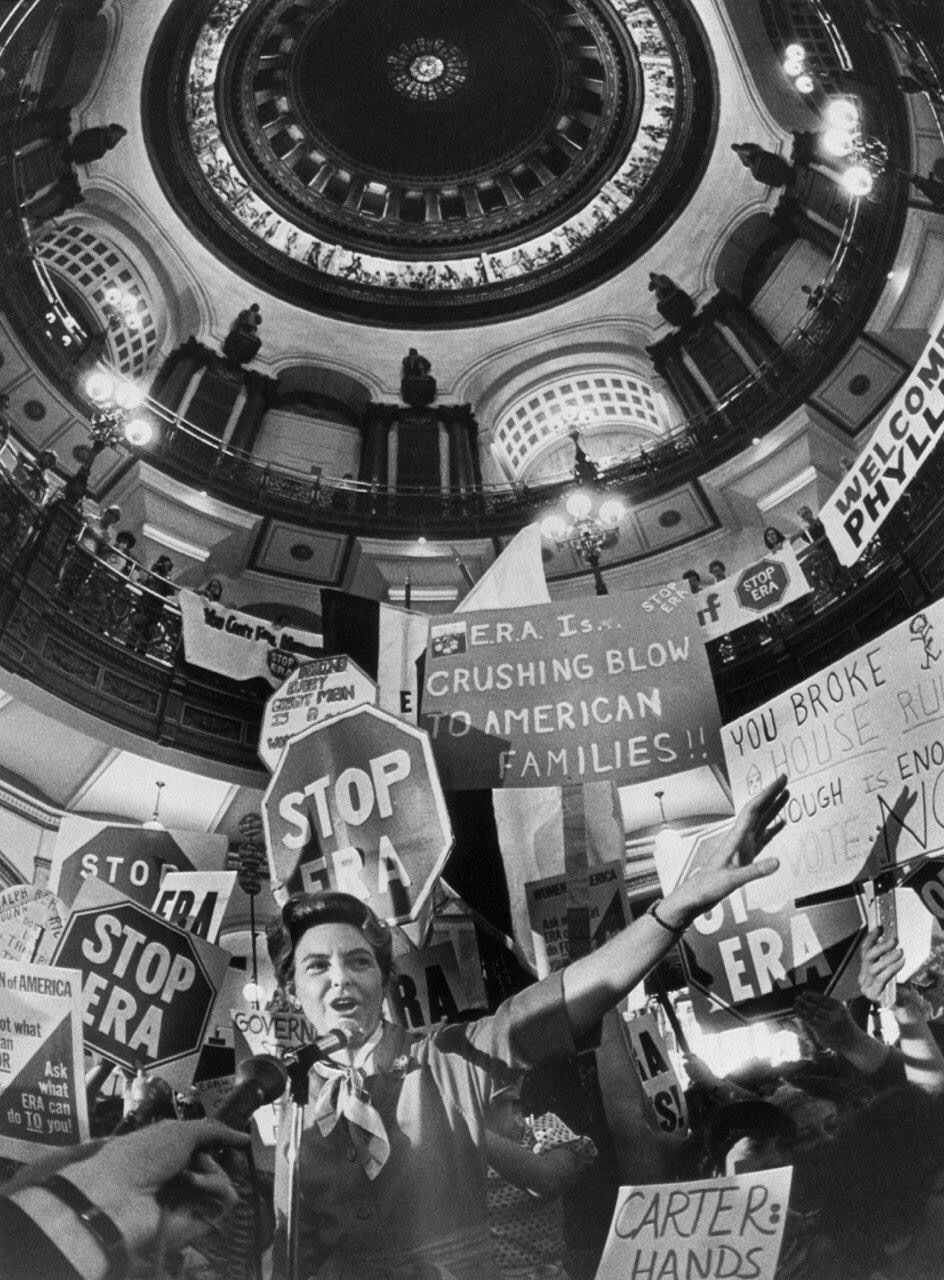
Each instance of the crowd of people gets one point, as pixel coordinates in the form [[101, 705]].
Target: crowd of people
[[477, 1150]]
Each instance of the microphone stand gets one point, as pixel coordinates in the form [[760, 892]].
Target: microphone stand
[[298, 1068]]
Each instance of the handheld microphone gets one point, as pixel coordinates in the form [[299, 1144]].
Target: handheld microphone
[[259, 1081], [302, 1058], [151, 1099]]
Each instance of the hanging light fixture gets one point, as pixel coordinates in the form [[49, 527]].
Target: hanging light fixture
[[154, 822]]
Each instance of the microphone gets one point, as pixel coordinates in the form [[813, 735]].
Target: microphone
[[151, 1098], [302, 1058], [259, 1081]]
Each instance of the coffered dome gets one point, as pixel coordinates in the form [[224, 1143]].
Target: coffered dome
[[433, 161]]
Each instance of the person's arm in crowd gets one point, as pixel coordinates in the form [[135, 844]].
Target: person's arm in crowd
[[719, 1088], [644, 1152], [548, 1174], [596, 982], [918, 1050], [833, 1027], [122, 1178]]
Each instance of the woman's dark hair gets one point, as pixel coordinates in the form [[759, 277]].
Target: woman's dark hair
[[747, 1119], [303, 911], [773, 537], [871, 1182]]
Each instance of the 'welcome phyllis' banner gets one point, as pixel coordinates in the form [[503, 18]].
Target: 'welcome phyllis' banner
[[901, 445], [240, 645], [550, 694]]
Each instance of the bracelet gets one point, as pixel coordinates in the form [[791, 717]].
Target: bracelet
[[653, 911], [96, 1221]]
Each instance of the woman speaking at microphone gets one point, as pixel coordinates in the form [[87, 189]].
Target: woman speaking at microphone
[[391, 1164]]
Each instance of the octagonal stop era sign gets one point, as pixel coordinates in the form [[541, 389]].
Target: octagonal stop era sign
[[762, 585], [356, 804], [744, 963], [148, 988]]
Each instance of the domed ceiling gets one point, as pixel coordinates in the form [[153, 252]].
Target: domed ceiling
[[429, 162]]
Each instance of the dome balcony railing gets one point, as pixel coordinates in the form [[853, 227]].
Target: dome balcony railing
[[103, 641], [856, 276]]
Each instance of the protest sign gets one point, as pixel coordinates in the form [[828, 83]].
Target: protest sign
[[42, 1083], [356, 805], [274, 1030], [148, 987], [129, 857], [899, 447], [764, 585], [748, 958], [862, 745], [316, 690], [429, 987], [557, 693], [240, 645], [718, 1227], [196, 900], [31, 921], [547, 911], [659, 1081]]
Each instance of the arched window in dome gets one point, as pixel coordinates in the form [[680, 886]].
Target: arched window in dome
[[622, 413], [111, 288]]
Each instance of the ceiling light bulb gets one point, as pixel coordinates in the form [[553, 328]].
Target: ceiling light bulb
[[113, 296], [554, 528], [793, 68], [804, 84], [857, 180], [99, 386], [795, 52], [139, 432], [841, 113], [128, 396], [612, 511], [837, 142], [252, 993], [579, 504]]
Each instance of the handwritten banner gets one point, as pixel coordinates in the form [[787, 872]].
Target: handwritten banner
[[730, 1226], [42, 1086], [240, 645], [31, 922], [900, 446], [568, 692], [862, 744]]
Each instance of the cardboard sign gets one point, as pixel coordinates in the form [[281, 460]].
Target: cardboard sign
[[129, 857], [356, 805], [315, 691], [148, 987], [196, 900], [429, 988], [240, 645], [748, 959], [275, 1030], [31, 921], [42, 1085], [718, 1227], [862, 744], [900, 446], [547, 911], [560, 693], [660, 1083]]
